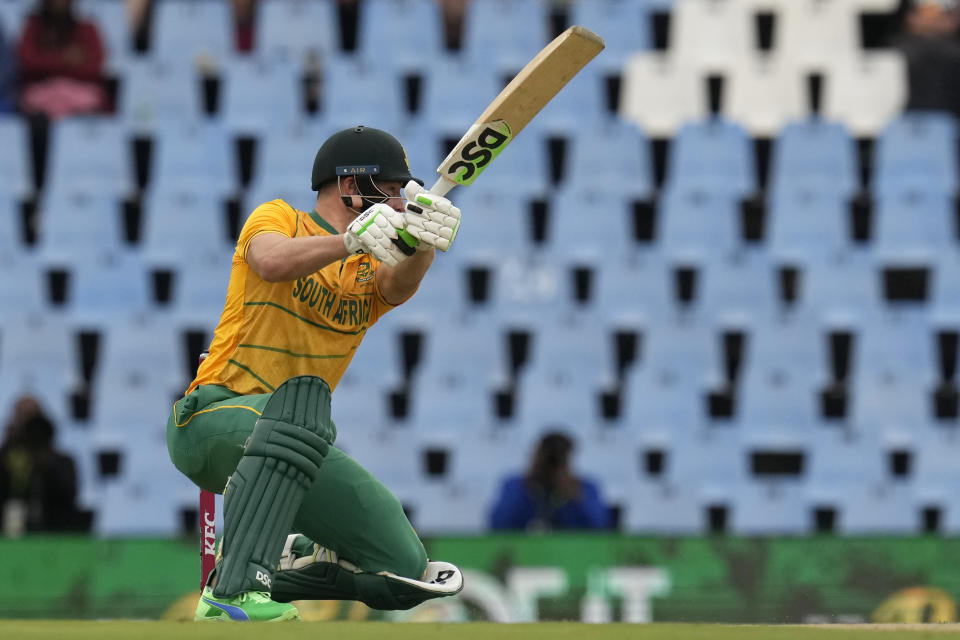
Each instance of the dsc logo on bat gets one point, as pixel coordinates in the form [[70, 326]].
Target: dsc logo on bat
[[482, 143]]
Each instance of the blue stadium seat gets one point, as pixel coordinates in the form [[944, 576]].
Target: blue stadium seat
[[293, 30], [165, 217], [504, 34], [643, 295], [198, 296], [712, 155], [259, 97], [590, 172], [15, 162], [139, 357], [813, 155], [895, 368], [101, 294], [914, 224], [78, 228], [13, 14], [494, 226], [917, 152], [154, 96], [444, 508], [193, 157], [186, 32], [411, 30], [595, 229], [23, 287], [623, 24], [740, 294], [668, 391], [770, 508], [12, 247], [452, 95], [808, 225], [355, 94], [840, 294], [783, 370], [73, 166], [39, 356], [581, 106], [945, 302], [699, 223]]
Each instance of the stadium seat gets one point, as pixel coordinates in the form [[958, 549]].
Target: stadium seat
[[813, 155], [12, 247], [259, 97], [167, 214], [601, 223], [642, 296], [77, 228], [389, 25], [283, 164], [153, 96], [816, 34], [38, 356], [895, 369], [914, 224], [185, 33], [623, 24], [945, 301], [865, 92], [198, 295], [917, 152], [711, 35], [15, 161], [741, 294], [13, 14], [668, 391], [658, 508], [73, 166], [770, 508], [355, 94], [714, 156], [23, 287], [290, 31], [808, 225], [840, 294], [494, 226], [139, 357], [444, 508], [764, 94], [784, 368], [588, 171], [101, 294], [504, 34], [699, 223], [452, 95], [582, 105], [660, 94], [193, 157]]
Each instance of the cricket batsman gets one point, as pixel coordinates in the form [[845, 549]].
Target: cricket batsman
[[302, 520]]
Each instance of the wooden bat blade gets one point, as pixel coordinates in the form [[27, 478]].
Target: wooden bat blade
[[522, 99]]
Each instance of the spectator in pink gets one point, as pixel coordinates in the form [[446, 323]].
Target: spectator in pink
[[61, 59]]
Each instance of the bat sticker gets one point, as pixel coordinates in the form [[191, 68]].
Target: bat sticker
[[481, 144]]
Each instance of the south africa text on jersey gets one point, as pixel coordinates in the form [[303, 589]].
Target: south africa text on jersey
[[352, 312]]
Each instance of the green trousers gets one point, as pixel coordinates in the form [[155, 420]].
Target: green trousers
[[347, 510]]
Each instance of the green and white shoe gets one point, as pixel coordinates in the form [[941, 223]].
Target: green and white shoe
[[253, 606]]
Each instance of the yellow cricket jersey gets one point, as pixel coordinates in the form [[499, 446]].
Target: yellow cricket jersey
[[272, 331]]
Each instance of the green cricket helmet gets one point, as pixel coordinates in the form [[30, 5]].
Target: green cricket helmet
[[361, 151]]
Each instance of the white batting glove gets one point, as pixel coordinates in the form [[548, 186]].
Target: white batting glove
[[431, 219], [378, 231]]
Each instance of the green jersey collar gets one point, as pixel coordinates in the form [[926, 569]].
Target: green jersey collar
[[323, 223]]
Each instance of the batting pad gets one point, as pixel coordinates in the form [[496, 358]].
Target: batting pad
[[279, 464]]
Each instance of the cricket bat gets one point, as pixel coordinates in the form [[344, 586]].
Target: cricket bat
[[523, 98]]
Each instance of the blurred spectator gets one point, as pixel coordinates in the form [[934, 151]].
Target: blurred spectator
[[61, 60], [244, 15], [7, 75], [550, 496], [38, 485], [929, 43], [453, 12]]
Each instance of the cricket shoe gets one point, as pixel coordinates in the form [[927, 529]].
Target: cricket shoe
[[250, 606]]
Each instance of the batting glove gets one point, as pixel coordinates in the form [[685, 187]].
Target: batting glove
[[431, 219], [379, 232]]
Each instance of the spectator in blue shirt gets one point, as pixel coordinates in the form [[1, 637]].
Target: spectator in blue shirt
[[8, 86], [550, 496]]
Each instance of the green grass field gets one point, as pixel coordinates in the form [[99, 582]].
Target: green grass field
[[121, 630]]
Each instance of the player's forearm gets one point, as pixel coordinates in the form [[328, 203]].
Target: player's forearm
[[400, 282], [294, 258]]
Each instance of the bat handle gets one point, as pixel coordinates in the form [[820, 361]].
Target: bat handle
[[442, 186]]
